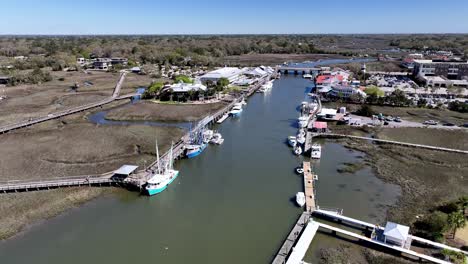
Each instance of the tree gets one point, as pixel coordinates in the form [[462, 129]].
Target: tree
[[455, 221], [365, 110], [183, 78], [374, 90], [223, 82]]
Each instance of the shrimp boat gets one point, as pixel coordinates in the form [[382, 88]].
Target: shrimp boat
[[207, 135], [159, 181], [197, 146], [316, 151], [300, 199]]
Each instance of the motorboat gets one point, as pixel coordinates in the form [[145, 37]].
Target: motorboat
[[316, 151], [217, 139], [236, 110], [303, 121], [266, 87], [298, 150], [207, 135], [243, 102], [307, 76], [300, 199], [292, 141], [299, 170], [301, 139]]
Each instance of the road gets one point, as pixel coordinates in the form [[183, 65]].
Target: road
[[403, 123]]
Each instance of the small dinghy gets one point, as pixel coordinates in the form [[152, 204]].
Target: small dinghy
[[299, 170]]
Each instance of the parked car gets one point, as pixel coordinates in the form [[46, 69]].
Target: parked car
[[448, 124], [389, 118], [397, 119], [385, 123], [465, 125], [430, 122]]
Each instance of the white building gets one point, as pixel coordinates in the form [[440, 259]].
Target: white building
[[230, 73], [182, 87], [396, 234]]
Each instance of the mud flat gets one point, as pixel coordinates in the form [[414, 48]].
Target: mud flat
[[150, 111]]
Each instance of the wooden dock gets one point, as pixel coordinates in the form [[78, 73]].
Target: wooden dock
[[384, 141], [409, 252], [309, 187], [74, 110], [288, 245]]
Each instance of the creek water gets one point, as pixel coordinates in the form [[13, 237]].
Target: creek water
[[232, 204]]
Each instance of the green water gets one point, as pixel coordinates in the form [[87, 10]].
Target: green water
[[232, 204]]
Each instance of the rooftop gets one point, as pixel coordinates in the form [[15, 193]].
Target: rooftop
[[126, 170], [396, 231], [225, 72]]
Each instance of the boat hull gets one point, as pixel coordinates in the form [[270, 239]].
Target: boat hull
[[193, 154], [154, 191]]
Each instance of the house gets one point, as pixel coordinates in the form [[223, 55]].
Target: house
[[102, 64], [119, 61], [327, 114], [230, 73], [396, 234], [182, 87], [450, 69], [345, 91]]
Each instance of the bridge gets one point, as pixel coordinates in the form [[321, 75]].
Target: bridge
[[56, 115], [297, 70]]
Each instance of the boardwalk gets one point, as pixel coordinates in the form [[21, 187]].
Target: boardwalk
[[409, 252], [302, 245], [285, 250], [70, 111], [332, 135], [309, 187]]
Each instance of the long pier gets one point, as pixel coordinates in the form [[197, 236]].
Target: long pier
[[56, 115], [332, 135], [309, 190], [283, 254]]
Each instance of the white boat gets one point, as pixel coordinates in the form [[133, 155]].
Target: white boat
[[300, 199], [316, 151], [299, 170], [292, 141], [159, 181], [207, 135], [303, 121], [307, 76], [298, 150], [266, 87], [243, 102], [301, 139], [236, 110], [217, 139]]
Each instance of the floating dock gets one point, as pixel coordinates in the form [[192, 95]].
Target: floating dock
[[309, 187], [223, 118], [283, 254]]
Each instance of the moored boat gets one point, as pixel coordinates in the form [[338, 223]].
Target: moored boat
[[300, 199], [298, 150], [236, 110], [162, 178], [303, 121], [299, 170], [217, 139], [192, 151], [207, 135], [292, 141], [316, 151]]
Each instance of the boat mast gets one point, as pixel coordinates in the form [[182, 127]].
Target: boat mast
[[157, 157], [170, 156]]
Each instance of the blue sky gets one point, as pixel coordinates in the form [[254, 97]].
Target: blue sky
[[232, 16]]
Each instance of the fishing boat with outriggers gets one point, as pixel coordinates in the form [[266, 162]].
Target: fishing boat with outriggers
[[198, 143], [162, 178]]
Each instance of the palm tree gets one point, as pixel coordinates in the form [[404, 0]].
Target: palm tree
[[456, 220]]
